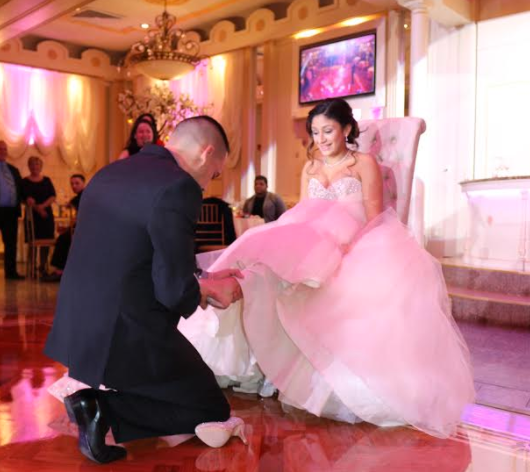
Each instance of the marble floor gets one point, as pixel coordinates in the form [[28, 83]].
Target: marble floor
[[501, 362], [35, 434]]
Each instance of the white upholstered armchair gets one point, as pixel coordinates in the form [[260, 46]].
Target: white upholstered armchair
[[394, 143]]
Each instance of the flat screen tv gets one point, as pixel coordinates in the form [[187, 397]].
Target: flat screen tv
[[341, 67]]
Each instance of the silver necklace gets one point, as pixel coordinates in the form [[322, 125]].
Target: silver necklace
[[342, 159]]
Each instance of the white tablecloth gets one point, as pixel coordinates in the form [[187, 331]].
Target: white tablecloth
[[242, 224]]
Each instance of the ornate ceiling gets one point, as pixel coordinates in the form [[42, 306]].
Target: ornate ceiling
[[114, 25]]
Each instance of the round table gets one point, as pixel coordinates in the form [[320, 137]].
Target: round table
[[242, 224]]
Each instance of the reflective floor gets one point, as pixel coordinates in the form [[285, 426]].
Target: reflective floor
[[35, 434]]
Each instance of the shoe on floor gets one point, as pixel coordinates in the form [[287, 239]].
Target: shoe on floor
[[53, 277], [15, 276], [217, 433]]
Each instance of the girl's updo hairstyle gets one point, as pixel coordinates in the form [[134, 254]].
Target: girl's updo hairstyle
[[335, 109]]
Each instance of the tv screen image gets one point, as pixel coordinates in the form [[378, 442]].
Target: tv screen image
[[342, 67]]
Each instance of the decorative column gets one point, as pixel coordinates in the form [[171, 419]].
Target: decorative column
[[395, 54], [248, 144], [118, 130], [418, 102], [269, 111], [419, 47]]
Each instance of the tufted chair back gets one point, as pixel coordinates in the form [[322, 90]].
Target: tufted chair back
[[394, 143]]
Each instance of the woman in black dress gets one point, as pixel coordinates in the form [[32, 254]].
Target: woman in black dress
[[39, 194]]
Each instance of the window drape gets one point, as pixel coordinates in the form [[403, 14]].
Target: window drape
[[51, 110]]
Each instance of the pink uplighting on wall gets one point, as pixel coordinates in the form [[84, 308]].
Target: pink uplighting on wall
[[28, 92], [41, 83], [50, 111]]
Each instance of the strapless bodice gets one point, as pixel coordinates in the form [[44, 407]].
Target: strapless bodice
[[337, 190]]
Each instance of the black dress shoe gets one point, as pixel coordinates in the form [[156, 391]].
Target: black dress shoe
[[83, 408], [53, 277], [15, 276]]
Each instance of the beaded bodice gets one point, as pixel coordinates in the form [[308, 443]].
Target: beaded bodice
[[339, 189]]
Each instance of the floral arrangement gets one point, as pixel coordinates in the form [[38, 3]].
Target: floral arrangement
[[160, 101]]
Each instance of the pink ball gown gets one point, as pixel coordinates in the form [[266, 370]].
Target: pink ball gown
[[348, 320]]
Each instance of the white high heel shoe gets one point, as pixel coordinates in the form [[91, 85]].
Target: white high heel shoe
[[217, 434]]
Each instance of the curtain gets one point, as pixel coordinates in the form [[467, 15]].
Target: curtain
[[51, 110], [217, 84]]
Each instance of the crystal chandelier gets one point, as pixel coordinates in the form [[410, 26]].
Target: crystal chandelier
[[166, 52]]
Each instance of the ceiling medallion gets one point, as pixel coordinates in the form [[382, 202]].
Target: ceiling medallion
[[166, 52]]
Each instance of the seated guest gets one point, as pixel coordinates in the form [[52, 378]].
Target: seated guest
[[266, 204], [63, 242], [143, 132], [228, 227], [39, 193]]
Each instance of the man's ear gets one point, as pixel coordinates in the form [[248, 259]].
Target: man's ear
[[206, 154]]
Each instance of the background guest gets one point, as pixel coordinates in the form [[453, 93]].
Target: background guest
[[77, 184], [64, 240], [39, 193], [10, 191], [151, 118], [143, 132], [266, 204]]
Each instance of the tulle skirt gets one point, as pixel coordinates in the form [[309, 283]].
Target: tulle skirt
[[347, 320]]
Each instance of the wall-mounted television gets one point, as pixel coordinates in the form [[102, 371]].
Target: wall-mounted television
[[341, 67]]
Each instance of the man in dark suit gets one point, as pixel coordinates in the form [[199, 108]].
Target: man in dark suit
[[129, 277], [64, 240], [10, 184]]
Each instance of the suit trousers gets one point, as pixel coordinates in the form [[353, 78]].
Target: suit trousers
[[9, 229], [164, 409], [60, 252]]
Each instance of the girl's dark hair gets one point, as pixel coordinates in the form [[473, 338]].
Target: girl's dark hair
[[148, 116], [132, 145], [335, 109]]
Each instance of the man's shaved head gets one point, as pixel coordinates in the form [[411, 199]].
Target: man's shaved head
[[201, 130], [200, 146]]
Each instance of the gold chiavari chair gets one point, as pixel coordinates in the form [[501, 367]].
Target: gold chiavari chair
[[210, 232], [33, 245]]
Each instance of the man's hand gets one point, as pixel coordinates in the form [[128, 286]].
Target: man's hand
[[222, 291], [225, 273]]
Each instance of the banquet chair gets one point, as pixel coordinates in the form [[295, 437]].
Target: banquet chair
[[210, 232], [394, 144], [33, 245]]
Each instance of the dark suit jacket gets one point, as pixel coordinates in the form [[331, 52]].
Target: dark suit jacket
[[18, 184], [130, 276]]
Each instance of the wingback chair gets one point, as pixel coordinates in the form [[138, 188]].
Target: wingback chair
[[394, 143]]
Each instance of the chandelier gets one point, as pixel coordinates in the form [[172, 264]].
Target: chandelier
[[166, 52]]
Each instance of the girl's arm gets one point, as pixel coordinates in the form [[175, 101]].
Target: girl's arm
[[305, 180]]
